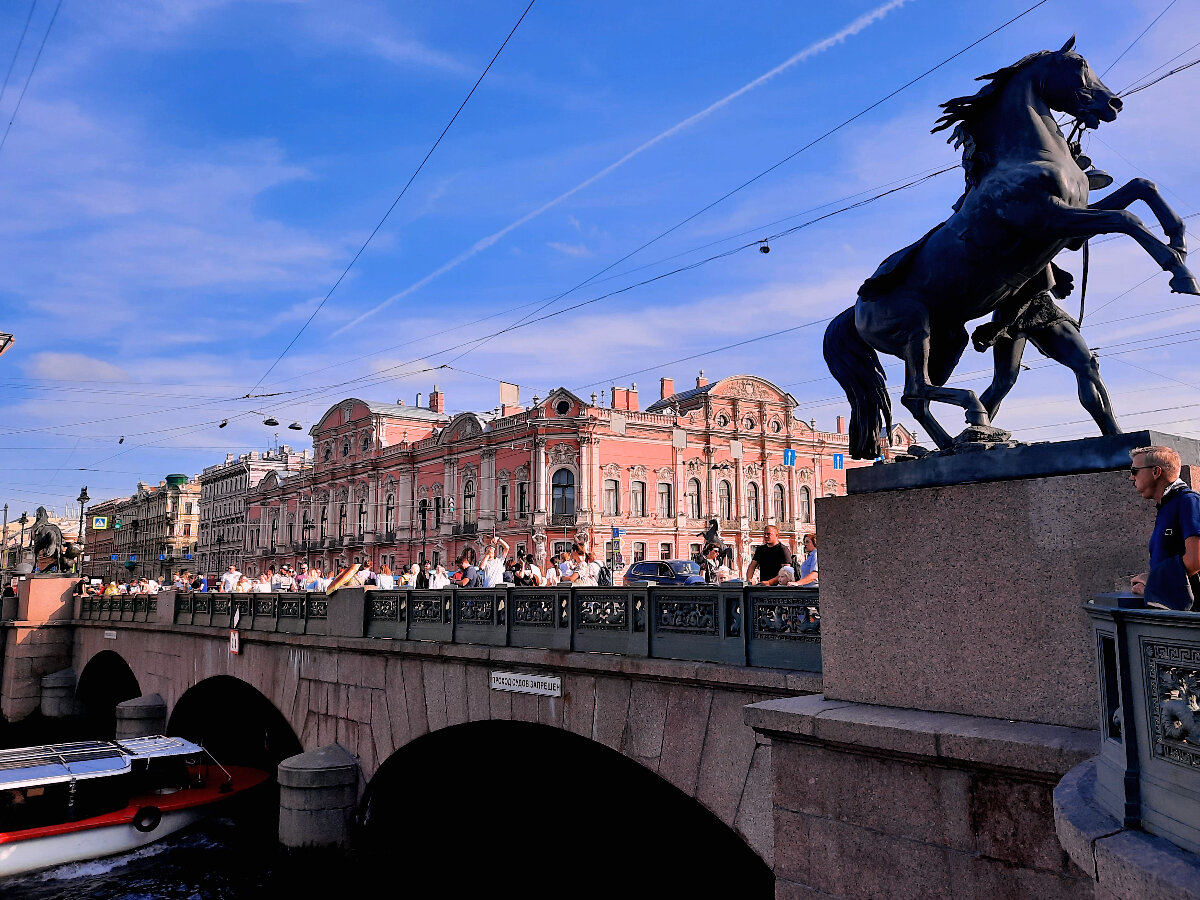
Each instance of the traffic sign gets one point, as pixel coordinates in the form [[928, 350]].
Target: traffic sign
[[789, 457], [114, 557], [839, 460], [162, 556], [133, 557], [99, 523], [618, 532]]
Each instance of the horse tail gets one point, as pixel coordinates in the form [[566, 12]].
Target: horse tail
[[856, 367]]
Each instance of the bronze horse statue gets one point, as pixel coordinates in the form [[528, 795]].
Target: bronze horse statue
[[46, 539], [1026, 200]]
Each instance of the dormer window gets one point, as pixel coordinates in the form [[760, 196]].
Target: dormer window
[[748, 423], [562, 407], [723, 420]]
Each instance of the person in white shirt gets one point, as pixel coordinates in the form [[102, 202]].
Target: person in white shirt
[[230, 579], [550, 579], [262, 585], [151, 586], [491, 567], [584, 572]]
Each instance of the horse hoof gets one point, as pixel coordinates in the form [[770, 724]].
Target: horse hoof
[[1185, 284]]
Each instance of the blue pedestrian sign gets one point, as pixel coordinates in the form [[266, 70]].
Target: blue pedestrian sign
[[839, 460], [113, 557], [187, 556], [133, 557], [789, 457], [618, 532], [162, 556]]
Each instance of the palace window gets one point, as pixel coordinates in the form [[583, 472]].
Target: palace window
[[437, 512], [664, 551], [753, 509], [341, 519], [504, 503], [612, 497], [324, 520], [693, 499], [389, 512], [804, 502], [523, 499], [346, 447], [724, 500], [777, 504], [366, 442], [637, 498], [423, 514], [664, 507], [469, 502], [639, 552], [362, 517], [562, 493]]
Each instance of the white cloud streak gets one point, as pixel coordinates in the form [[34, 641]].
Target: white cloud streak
[[853, 28]]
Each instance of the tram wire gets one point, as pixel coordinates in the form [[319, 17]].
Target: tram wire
[[29, 77], [399, 196]]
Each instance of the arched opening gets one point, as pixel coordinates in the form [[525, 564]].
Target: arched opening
[[104, 682], [548, 804], [562, 493], [235, 722]]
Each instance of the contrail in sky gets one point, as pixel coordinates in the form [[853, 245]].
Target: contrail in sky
[[849, 31]]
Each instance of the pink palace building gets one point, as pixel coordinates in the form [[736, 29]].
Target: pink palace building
[[395, 484]]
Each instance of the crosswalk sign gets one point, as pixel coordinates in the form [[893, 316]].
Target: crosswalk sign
[[99, 523]]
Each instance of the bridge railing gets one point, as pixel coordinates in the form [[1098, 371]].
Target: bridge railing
[[737, 625]]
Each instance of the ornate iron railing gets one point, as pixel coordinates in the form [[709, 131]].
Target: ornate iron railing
[[1148, 771], [736, 625]]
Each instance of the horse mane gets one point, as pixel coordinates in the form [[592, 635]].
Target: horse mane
[[962, 111]]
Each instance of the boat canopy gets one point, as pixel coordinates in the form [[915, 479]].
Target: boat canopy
[[156, 745], [56, 763]]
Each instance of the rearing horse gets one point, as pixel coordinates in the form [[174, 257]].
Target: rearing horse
[[1026, 200]]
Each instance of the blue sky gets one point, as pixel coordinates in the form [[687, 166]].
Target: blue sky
[[185, 181]]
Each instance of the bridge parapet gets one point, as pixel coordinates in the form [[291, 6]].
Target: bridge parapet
[[737, 625]]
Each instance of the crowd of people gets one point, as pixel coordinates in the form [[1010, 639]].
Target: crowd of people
[[771, 564]]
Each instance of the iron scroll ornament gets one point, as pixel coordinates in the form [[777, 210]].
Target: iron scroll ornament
[[1026, 200]]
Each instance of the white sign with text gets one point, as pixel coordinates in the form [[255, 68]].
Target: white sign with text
[[524, 683]]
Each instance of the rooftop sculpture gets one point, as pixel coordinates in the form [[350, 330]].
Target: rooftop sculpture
[[1026, 200]]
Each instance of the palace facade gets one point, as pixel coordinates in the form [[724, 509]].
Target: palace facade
[[396, 484]]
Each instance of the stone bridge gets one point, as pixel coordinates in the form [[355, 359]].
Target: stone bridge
[[376, 671]]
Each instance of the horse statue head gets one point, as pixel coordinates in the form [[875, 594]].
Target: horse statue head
[[1060, 79]]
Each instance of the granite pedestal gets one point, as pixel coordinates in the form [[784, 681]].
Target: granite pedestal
[[37, 642], [959, 672]]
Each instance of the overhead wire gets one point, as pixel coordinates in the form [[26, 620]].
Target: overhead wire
[[29, 77], [786, 159], [399, 196], [16, 53]]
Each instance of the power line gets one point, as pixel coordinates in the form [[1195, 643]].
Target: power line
[[783, 161], [1138, 38], [17, 52], [403, 190], [29, 77]]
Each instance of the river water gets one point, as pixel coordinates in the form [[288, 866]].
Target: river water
[[226, 858]]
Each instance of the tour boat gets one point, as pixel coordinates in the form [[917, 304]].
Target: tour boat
[[62, 803]]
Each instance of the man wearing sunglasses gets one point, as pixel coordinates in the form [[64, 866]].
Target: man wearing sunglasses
[[1155, 474]]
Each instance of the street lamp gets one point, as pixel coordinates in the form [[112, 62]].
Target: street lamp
[[23, 568], [81, 500]]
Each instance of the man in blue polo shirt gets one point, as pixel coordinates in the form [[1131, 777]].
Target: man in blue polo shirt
[[1155, 474]]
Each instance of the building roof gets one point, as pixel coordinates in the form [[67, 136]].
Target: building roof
[[681, 397], [407, 412]]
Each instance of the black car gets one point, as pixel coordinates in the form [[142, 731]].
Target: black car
[[664, 571]]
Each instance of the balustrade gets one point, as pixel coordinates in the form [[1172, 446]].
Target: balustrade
[[731, 624]]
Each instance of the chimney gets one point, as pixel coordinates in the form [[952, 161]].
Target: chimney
[[228, 457], [631, 398], [437, 400], [620, 398], [841, 424], [666, 388], [418, 403], [701, 381]]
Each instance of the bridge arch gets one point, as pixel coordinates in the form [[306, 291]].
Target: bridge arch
[[554, 811], [235, 721], [105, 681]]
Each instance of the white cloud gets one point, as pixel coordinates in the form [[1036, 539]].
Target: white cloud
[[73, 367]]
